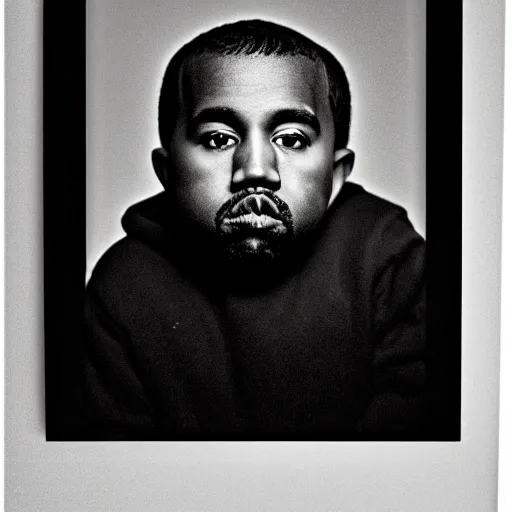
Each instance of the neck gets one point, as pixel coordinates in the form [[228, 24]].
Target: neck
[[203, 259]]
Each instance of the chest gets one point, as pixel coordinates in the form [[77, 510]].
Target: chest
[[298, 356]]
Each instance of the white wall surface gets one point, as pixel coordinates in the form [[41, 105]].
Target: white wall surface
[[353, 477]]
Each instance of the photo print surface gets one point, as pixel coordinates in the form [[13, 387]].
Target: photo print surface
[[256, 191]]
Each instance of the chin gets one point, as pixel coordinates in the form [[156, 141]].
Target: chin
[[253, 250]]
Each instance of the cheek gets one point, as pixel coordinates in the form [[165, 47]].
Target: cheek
[[193, 166], [201, 185], [306, 187]]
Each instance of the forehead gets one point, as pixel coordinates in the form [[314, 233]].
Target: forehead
[[251, 82]]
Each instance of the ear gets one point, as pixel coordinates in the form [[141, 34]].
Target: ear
[[162, 166], [342, 167]]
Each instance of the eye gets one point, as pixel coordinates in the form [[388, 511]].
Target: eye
[[218, 140], [291, 139]]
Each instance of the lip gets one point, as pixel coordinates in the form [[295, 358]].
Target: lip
[[254, 212], [253, 221], [254, 206]]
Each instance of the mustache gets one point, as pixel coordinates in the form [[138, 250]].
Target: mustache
[[283, 210]]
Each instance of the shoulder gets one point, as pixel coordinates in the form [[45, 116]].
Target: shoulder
[[371, 223], [126, 274], [126, 260], [366, 208]]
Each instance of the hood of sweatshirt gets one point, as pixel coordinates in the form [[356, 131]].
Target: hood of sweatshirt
[[153, 221]]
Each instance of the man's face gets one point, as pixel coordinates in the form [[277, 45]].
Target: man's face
[[251, 157]]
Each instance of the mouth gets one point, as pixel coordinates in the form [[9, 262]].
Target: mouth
[[254, 211], [254, 226], [253, 221], [258, 204]]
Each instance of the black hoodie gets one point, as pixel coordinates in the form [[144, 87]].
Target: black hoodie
[[335, 349]]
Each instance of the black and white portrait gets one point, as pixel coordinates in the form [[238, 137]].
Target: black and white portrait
[[262, 260], [243, 223]]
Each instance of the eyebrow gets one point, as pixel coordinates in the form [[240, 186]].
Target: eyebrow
[[228, 116], [222, 115], [297, 115]]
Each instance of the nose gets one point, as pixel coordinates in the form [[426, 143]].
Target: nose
[[255, 164]]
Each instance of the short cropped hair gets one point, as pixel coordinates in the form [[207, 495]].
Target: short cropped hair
[[249, 37]]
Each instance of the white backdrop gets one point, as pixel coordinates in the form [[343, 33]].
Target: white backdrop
[[381, 44], [200, 477]]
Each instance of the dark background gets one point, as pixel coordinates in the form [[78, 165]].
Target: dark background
[[65, 205]]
